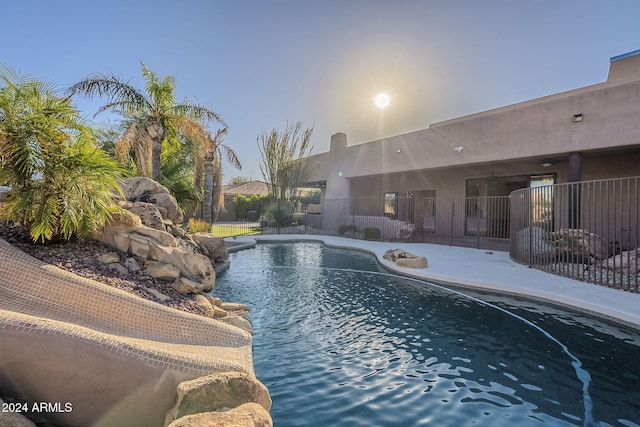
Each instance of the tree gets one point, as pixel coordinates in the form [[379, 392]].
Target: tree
[[282, 157], [156, 120], [238, 180], [61, 182], [213, 200]]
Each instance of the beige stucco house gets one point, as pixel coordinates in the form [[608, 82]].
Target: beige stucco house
[[583, 134]]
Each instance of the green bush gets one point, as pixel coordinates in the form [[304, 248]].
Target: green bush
[[61, 182], [371, 233], [279, 213], [344, 228], [245, 204]]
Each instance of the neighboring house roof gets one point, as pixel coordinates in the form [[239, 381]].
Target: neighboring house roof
[[249, 188]]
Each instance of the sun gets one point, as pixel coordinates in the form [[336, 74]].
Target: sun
[[382, 100]]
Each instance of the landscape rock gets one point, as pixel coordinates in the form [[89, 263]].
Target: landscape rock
[[149, 215], [247, 415], [214, 245], [150, 244], [203, 304], [162, 271], [109, 258], [218, 392], [132, 265], [118, 268], [215, 301], [413, 262], [234, 306], [238, 322], [162, 237], [405, 259], [627, 262], [142, 189], [186, 286], [218, 312], [578, 245], [157, 294]]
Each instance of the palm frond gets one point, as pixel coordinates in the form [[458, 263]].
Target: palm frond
[[111, 86], [197, 112]]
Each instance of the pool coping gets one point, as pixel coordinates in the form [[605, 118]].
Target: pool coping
[[484, 270]]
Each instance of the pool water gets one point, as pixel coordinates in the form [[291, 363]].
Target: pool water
[[339, 341]]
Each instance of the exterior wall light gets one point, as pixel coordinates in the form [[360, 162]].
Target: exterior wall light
[[546, 162], [577, 118], [459, 149]]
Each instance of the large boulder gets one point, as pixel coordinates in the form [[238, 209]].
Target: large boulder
[[142, 189], [405, 259], [218, 392], [162, 271], [149, 214], [578, 245], [627, 262], [212, 245], [247, 415]]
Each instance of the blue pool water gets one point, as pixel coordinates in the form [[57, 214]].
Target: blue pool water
[[338, 341]]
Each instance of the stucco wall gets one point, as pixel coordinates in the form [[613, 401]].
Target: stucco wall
[[598, 121]]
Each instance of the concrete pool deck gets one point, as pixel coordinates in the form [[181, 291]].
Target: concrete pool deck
[[487, 270]]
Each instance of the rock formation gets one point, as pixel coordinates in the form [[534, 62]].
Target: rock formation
[[145, 228]]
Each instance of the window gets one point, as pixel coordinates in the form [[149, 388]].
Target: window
[[391, 205]]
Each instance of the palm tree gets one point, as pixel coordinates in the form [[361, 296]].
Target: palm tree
[[213, 199], [61, 182], [156, 118]]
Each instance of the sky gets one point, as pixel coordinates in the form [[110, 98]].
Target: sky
[[263, 64]]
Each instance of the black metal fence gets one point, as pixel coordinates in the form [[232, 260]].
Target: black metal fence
[[584, 230], [480, 222]]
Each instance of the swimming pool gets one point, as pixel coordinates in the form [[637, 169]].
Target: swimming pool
[[339, 341]]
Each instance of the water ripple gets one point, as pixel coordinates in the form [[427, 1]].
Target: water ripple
[[339, 347]]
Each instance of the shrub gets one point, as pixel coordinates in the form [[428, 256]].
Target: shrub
[[198, 226], [61, 182], [279, 213], [245, 204], [371, 233], [299, 218], [344, 228]]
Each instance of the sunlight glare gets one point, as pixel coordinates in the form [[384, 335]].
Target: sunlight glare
[[382, 100]]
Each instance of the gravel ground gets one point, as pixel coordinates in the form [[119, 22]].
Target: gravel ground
[[79, 257]]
